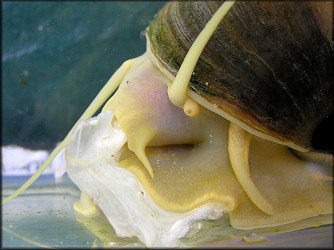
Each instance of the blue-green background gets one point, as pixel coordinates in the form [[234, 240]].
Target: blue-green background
[[56, 56]]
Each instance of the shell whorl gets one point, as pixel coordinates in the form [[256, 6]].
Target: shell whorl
[[268, 64]]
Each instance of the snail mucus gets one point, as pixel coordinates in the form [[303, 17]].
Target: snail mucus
[[216, 117]]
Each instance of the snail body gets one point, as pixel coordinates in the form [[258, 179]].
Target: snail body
[[261, 85]]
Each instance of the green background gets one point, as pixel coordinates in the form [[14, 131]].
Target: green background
[[56, 56]]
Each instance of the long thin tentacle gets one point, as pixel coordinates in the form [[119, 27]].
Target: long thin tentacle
[[101, 97], [238, 149], [177, 92]]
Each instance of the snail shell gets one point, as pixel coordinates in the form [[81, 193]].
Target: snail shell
[[268, 64]]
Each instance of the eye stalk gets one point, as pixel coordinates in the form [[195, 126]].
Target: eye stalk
[[191, 108]]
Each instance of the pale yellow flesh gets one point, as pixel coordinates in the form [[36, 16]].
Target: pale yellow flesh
[[85, 206], [142, 108], [192, 166], [295, 189], [238, 148]]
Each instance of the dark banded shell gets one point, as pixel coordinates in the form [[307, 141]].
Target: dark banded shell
[[269, 64]]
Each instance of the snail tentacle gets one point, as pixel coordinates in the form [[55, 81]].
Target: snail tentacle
[[138, 145], [238, 149], [191, 108], [101, 97], [177, 92], [85, 206]]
